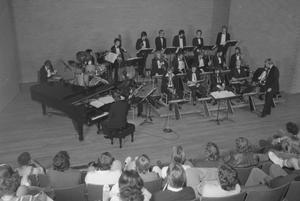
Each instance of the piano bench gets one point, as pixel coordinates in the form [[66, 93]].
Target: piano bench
[[121, 133]]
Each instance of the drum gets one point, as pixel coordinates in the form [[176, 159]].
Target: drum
[[130, 71], [100, 69]]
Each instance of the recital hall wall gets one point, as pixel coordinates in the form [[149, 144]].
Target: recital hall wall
[[269, 28], [9, 73], [56, 29]]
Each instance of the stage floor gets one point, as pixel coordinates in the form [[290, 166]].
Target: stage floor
[[24, 128]]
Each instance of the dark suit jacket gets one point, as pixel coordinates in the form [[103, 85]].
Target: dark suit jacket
[[175, 65], [43, 75], [234, 73], [196, 63], [117, 117], [218, 41], [139, 43], [216, 63], [155, 69], [272, 80], [214, 82], [196, 43], [113, 49], [176, 41], [232, 62], [189, 75], [158, 44], [177, 83]]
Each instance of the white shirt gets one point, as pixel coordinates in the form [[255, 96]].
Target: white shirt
[[159, 64], [161, 41], [219, 60], [214, 189], [201, 62], [199, 41], [223, 39], [194, 77], [144, 44], [181, 42], [118, 52], [101, 177]]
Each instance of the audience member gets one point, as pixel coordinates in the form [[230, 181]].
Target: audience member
[[226, 185], [61, 175], [130, 184], [212, 157], [143, 168], [103, 173], [175, 188]]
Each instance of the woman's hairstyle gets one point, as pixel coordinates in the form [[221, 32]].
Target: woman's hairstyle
[[24, 159], [292, 128], [142, 163], [61, 161], [242, 145], [212, 150], [130, 193], [227, 177], [9, 180], [176, 175], [105, 161], [131, 178], [178, 154], [143, 33]]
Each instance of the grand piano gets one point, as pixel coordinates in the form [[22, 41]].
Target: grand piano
[[73, 101]]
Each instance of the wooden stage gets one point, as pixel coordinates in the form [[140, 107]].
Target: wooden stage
[[24, 128]]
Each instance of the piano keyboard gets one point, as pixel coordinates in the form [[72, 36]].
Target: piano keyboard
[[100, 116]]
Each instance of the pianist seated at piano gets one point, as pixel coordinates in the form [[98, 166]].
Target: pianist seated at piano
[[219, 61], [159, 64], [172, 85], [194, 83], [179, 63], [117, 117], [239, 77], [46, 72], [201, 61]]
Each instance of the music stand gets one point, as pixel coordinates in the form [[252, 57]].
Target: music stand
[[188, 48], [145, 51], [132, 61], [170, 50], [209, 47], [231, 43], [148, 118]]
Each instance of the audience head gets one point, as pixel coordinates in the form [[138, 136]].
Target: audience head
[[142, 164], [24, 159], [292, 128], [178, 155], [131, 178], [212, 151], [176, 176], [144, 35], [198, 33], [105, 161], [61, 161], [9, 180], [129, 193], [161, 33], [227, 177], [242, 145], [181, 33], [117, 42]]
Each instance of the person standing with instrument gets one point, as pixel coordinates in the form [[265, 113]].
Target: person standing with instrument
[[272, 86], [117, 49], [198, 41], [222, 39], [142, 43], [179, 63]]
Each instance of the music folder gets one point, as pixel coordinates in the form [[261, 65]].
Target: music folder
[[145, 51], [111, 57], [188, 48], [170, 50], [132, 61], [231, 43]]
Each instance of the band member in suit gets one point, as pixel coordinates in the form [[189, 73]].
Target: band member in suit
[[172, 85], [90, 55], [219, 61], [160, 41], [179, 40], [222, 38], [237, 56], [46, 71], [117, 117], [201, 61], [259, 79], [142, 43], [179, 63], [272, 86], [198, 40], [117, 49], [193, 77], [237, 73], [159, 64], [217, 81]]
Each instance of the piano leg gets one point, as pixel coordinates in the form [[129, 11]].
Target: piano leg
[[44, 108], [79, 128]]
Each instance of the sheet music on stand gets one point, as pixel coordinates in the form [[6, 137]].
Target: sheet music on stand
[[188, 48], [222, 94], [111, 57], [170, 50], [209, 47], [230, 43], [102, 101], [145, 51], [132, 61]]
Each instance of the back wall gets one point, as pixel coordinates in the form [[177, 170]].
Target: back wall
[[54, 29]]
